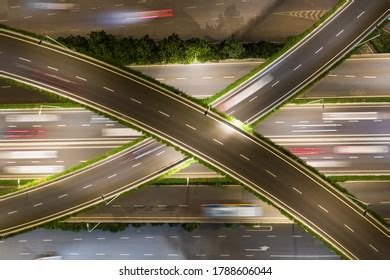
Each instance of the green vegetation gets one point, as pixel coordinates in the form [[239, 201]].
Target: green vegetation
[[35, 183], [382, 43], [57, 99], [216, 181], [348, 178], [190, 227], [12, 185], [336, 100], [39, 105], [173, 49], [287, 45]]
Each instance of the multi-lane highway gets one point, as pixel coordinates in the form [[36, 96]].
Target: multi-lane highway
[[215, 142], [167, 242], [199, 80], [217, 19], [38, 142], [337, 139], [178, 204], [359, 76], [374, 193], [251, 100]]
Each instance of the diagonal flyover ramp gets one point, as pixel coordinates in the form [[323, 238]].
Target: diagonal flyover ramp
[[254, 163]]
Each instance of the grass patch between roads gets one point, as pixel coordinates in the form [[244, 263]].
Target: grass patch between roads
[[349, 178], [339, 100]]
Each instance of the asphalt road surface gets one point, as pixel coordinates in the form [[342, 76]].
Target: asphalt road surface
[[359, 76], [266, 90], [178, 204], [375, 193], [217, 143], [35, 143], [217, 19], [337, 139], [165, 242], [199, 80]]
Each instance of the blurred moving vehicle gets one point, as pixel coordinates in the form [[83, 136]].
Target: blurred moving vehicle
[[56, 6], [32, 118], [367, 149], [232, 210], [303, 151], [24, 133]]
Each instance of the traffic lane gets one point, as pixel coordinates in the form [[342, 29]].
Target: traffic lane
[[61, 124], [198, 80], [167, 242], [206, 143], [92, 184], [329, 159], [316, 52], [178, 203], [363, 75], [328, 120], [376, 193], [125, 18], [59, 159]]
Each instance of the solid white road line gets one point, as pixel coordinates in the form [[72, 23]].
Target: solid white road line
[[269, 172], [193, 128], [375, 249], [348, 228], [314, 130], [219, 142], [323, 208], [163, 113], [241, 155]]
